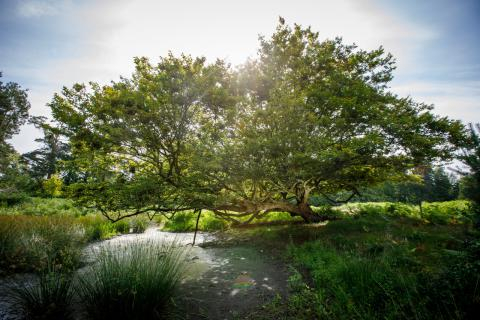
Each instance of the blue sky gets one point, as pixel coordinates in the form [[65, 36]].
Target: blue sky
[[47, 44]]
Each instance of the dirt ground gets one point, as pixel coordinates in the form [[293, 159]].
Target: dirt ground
[[240, 281]]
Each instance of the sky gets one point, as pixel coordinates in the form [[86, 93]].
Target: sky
[[48, 44]]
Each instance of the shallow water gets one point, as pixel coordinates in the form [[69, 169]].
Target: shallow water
[[200, 259], [221, 282]]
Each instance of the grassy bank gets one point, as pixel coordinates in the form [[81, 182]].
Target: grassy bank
[[44, 233], [375, 264]]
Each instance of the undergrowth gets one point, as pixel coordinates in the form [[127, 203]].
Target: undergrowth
[[132, 282]]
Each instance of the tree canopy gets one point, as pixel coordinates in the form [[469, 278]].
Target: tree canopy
[[305, 117], [14, 108]]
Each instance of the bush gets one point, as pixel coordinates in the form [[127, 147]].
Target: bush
[[458, 211], [131, 282], [49, 297], [121, 226], [448, 212], [98, 228], [11, 197], [181, 221], [45, 207], [52, 187], [139, 224], [185, 221]]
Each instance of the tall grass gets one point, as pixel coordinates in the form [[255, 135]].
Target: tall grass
[[132, 282], [27, 243], [33, 243], [376, 268], [98, 228], [49, 297]]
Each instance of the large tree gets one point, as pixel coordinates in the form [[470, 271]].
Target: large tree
[[14, 108], [471, 158], [306, 117], [49, 158]]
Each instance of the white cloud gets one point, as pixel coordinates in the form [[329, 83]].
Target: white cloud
[[459, 100]]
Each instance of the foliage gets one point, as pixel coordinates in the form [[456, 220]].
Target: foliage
[[98, 228], [35, 206], [306, 117], [427, 184], [15, 184], [52, 186], [138, 224], [185, 221], [449, 212], [132, 282], [471, 181], [12, 196], [14, 108], [454, 212], [46, 161], [30, 243], [48, 297]]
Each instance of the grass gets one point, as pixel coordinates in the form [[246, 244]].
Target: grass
[[388, 282], [98, 228], [132, 282], [30, 243], [34, 243], [49, 297], [376, 265], [381, 260]]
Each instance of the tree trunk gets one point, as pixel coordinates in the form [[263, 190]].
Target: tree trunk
[[306, 212], [243, 209]]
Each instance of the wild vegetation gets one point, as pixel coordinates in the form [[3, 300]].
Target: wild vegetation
[[132, 282]]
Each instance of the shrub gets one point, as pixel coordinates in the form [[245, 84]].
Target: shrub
[[45, 207], [370, 209], [139, 224], [121, 226], [131, 282], [181, 221], [328, 211], [185, 221], [52, 187], [448, 212], [49, 297], [12, 197]]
